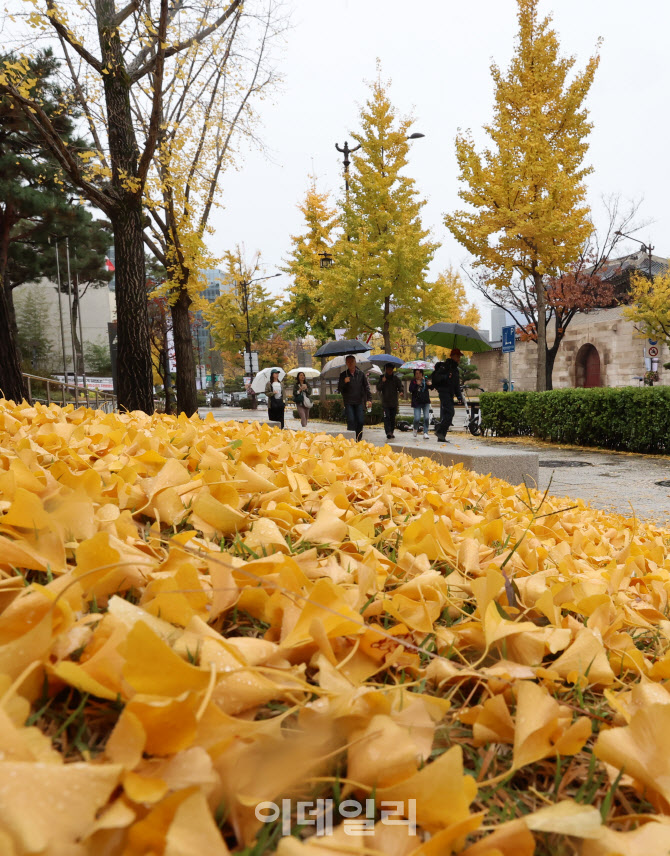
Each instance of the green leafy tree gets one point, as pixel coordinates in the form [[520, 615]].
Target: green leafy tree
[[33, 201], [33, 334], [528, 217], [379, 279], [98, 358], [305, 306], [468, 372]]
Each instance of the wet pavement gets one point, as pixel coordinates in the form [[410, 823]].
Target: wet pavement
[[614, 481]]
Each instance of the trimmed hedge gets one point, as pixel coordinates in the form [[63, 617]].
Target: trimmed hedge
[[332, 410], [632, 419]]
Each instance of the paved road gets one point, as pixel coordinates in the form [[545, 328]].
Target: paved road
[[615, 481]]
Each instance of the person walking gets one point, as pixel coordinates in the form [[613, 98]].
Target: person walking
[[275, 394], [446, 380], [419, 389], [389, 387], [354, 388], [301, 389]]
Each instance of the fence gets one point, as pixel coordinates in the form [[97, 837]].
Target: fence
[[70, 393]]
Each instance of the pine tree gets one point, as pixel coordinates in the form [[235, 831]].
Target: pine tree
[[378, 281], [305, 305], [33, 201], [529, 217], [32, 320]]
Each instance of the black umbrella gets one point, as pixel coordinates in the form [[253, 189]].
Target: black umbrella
[[342, 348], [460, 336]]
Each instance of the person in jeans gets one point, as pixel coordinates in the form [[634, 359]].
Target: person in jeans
[[419, 390], [300, 389], [446, 380], [356, 396], [275, 394], [389, 387]]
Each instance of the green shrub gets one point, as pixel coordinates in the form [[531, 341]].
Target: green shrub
[[332, 410], [632, 419], [248, 403], [216, 402], [503, 413]]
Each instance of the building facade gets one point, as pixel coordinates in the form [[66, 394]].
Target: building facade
[[600, 348]]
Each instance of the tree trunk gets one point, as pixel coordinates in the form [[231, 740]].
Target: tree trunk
[[134, 367], [187, 395], [386, 331], [541, 382], [167, 380], [78, 349], [322, 383], [550, 360], [12, 383], [134, 370]]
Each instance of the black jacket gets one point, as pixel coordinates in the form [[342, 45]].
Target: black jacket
[[420, 393], [446, 378], [357, 390], [389, 389]]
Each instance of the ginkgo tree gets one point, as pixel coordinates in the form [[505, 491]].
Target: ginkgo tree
[[306, 305], [202, 118], [527, 213], [650, 306], [111, 52], [243, 294], [380, 275]]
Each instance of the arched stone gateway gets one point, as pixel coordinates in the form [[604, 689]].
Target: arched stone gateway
[[587, 366]]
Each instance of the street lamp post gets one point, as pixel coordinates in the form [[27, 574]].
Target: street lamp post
[[647, 248], [346, 151], [244, 285]]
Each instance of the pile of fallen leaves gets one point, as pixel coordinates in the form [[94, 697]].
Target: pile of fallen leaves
[[197, 618]]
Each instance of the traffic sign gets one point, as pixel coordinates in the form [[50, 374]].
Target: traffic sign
[[251, 362], [653, 351], [653, 341], [508, 339]]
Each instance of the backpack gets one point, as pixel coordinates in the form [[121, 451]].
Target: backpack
[[440, 376]]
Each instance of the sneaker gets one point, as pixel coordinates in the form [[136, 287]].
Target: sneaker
[[425, 436], [414, 432], [392, 437], [389, 437], [442, 440]]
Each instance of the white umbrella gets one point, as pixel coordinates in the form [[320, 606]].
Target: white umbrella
[[375, 370], [258, 383], [309, 372]]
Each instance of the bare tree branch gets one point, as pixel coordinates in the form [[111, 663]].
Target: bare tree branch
[[138, 72], [64, 33]]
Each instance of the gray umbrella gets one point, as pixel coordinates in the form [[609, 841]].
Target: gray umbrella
[[333, 368], [446, 335], [342, 348]]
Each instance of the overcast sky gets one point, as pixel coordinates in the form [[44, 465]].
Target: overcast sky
[[437, 54]]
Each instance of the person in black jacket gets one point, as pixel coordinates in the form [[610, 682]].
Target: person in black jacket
[[356, 396], [446, 380], [389, 387]]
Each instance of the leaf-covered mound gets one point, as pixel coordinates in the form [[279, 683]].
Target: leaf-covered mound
[[199, 617]]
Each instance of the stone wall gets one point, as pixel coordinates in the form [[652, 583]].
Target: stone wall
[[619, 347]]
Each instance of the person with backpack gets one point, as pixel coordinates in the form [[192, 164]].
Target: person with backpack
[[446, 380], [389, 387], [302, 390], [419, 389]]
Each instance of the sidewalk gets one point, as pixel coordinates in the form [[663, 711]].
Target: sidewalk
[[614, 481]]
